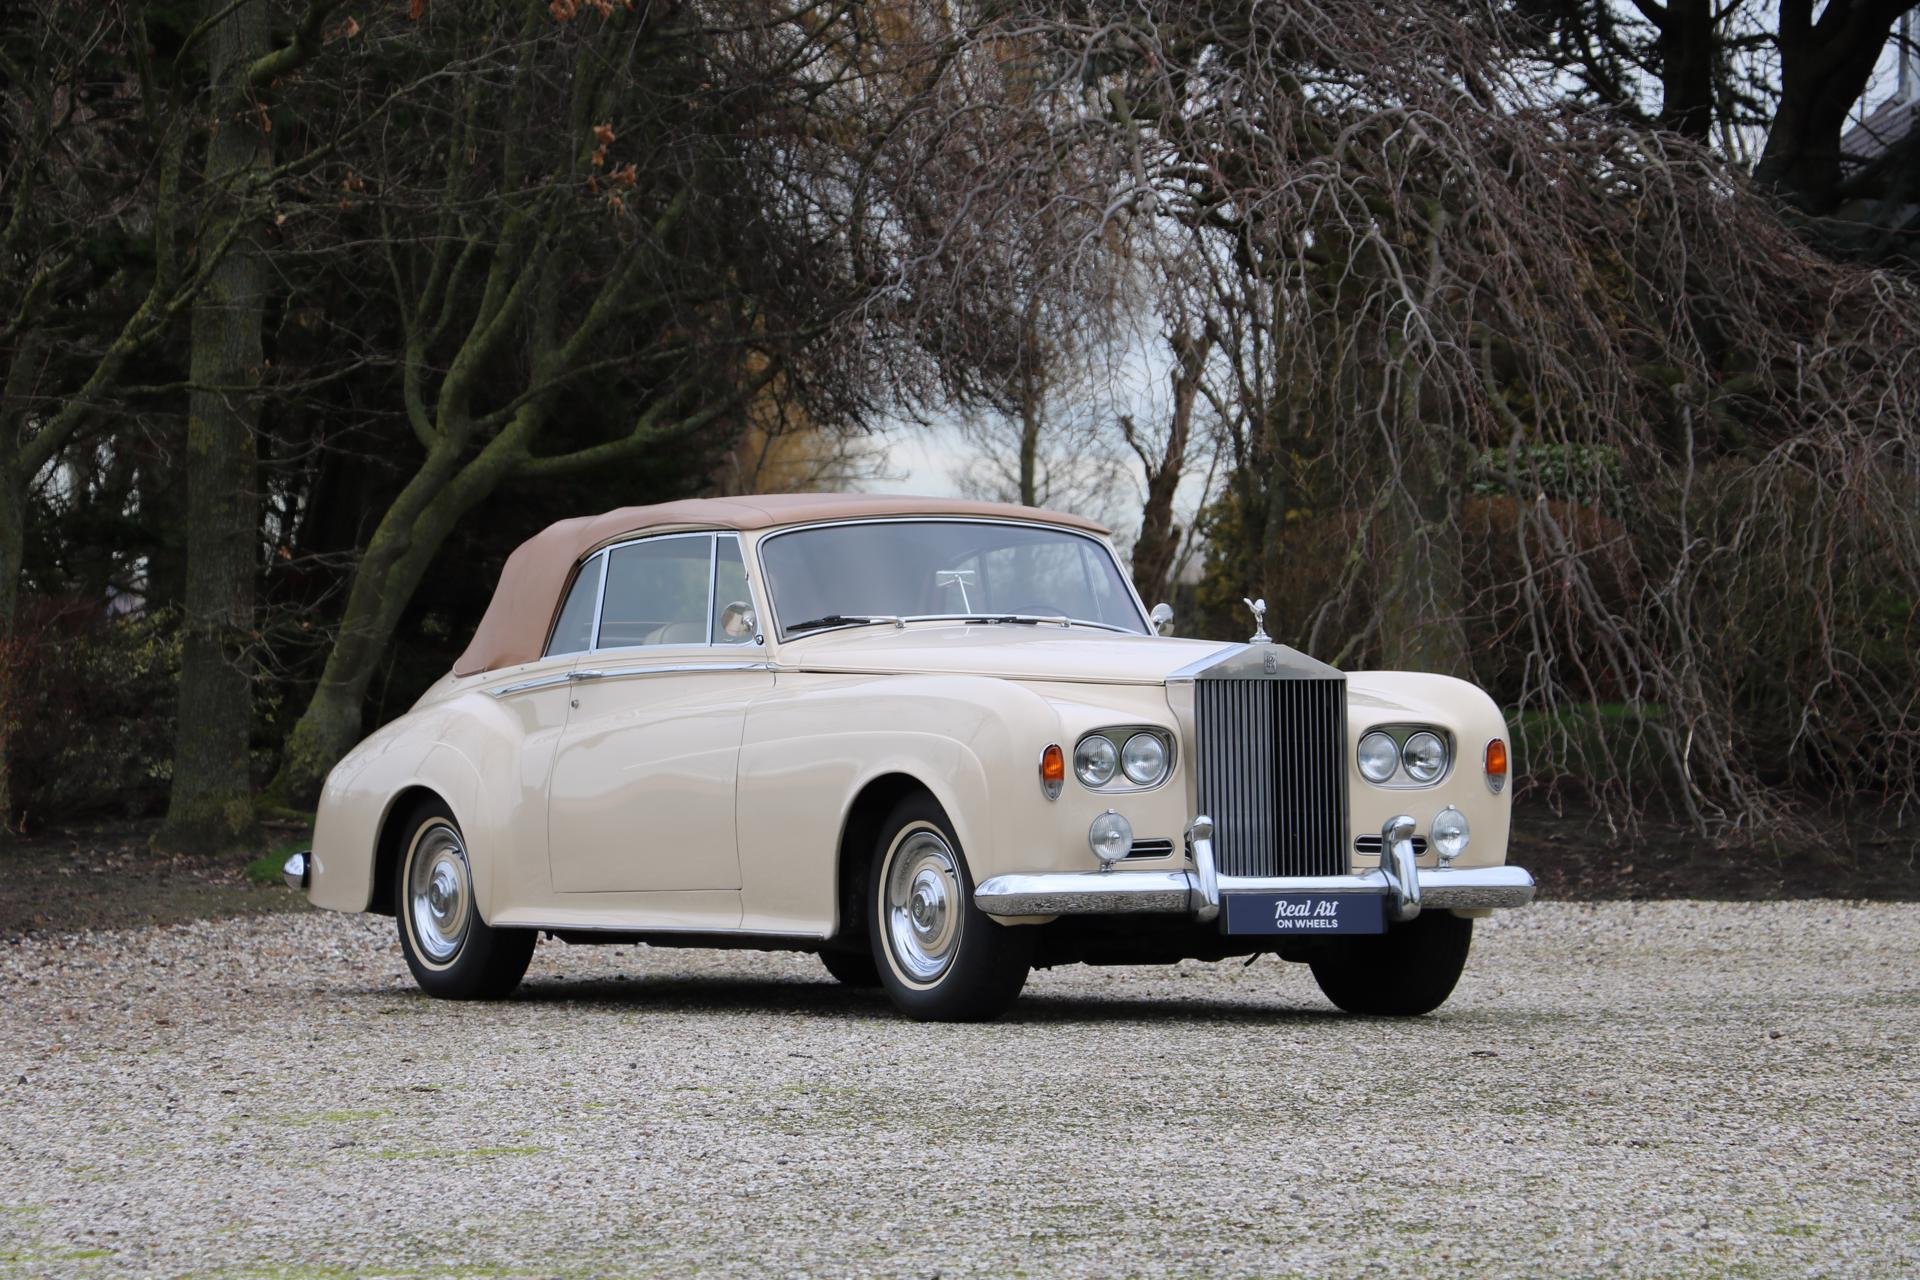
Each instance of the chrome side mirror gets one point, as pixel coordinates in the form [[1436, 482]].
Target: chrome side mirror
[[1162, 619], [737, 621]]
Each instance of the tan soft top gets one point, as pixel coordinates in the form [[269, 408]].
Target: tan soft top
[[515, 626]]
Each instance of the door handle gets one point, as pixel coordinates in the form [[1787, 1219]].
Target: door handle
[[586, 675]]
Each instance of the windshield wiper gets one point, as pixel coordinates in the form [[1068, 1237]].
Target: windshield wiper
[[1030, 619], [840, 620]]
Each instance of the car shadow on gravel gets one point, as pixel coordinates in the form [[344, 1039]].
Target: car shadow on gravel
[[758, 998]]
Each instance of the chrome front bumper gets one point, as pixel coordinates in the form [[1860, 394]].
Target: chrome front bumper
[[1197, 892]]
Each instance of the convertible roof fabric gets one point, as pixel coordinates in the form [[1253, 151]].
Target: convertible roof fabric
[[518, 618]]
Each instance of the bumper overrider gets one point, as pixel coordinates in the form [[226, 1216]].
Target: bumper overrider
[[1198, 892]]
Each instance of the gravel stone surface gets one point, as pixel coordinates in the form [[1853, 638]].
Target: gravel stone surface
[[1686, 1089]]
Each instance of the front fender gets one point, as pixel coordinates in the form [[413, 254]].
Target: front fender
[[813, 744]]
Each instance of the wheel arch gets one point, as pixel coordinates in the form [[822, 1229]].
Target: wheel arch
[[859, 831], [390, 843]]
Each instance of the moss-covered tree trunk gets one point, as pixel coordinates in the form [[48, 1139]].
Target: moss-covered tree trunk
[[402, 549], [13, 500], [211, 805]]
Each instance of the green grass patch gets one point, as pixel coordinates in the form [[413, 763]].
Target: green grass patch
[[265, 869]]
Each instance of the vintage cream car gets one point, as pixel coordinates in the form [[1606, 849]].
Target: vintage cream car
[[937, 742]]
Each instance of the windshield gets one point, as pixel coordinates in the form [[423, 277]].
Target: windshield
[[842, 574]]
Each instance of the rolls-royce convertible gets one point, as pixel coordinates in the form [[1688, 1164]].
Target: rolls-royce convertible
[[937, 742]]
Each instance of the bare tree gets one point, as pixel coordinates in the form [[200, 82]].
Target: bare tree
[[700, 205], [1432, 277]]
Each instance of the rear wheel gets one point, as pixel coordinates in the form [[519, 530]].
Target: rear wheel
[[453, 953], [939, 956], [1407, 971]]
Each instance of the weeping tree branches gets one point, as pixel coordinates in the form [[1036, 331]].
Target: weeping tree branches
[[1536, 383]]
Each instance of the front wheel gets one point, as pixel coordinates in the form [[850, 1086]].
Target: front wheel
[[1407, 971], [851, 968], [453, 953], [939, 956]]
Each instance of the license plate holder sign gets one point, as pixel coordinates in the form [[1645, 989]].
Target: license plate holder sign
[[1308, 914]]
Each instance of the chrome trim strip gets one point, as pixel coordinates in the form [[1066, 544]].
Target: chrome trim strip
[[1121, 892], [672, 669], [511, 921], [538, 682]]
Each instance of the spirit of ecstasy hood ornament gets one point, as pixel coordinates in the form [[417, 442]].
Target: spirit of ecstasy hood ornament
[[1259, 608]]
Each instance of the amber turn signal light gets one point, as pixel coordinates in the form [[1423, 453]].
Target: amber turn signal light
[[1496, 766], [1053, 771]]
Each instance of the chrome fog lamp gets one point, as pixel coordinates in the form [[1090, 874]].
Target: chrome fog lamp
[[1094, 760], [1449, 833], [1144, 759], [1110, 837], [1425, 756], [1379, 756]]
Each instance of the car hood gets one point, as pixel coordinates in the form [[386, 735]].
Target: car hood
[[1087, 655], [1015, 651]]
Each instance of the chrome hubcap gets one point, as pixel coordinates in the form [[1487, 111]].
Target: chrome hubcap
[[438, 902], [923, 914]]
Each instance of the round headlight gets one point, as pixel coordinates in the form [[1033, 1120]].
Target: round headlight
[[1144, 759], [1425, 756], [1379, 757], [1094, 760], [1450, 833], [1110, 837]]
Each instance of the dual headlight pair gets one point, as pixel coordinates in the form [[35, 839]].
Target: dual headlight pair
[[1421, 753], [1119, 758]]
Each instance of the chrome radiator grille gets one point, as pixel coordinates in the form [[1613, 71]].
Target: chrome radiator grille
[[1271, 771]]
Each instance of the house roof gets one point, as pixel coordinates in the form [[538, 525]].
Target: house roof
[[518, 619], [1879, 131]]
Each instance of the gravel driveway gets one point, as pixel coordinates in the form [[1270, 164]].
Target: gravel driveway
[[1659, 1089]]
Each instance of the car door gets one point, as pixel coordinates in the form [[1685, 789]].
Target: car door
[[641, 796]]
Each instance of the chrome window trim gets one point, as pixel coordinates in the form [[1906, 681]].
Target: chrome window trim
[[593, 626], [599, 605], [773, 612], [605, 553], [713, 587]]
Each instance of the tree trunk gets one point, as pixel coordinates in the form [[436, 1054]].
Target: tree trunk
[[13, 503], [1029, 440], [402, 549], [1824, 68], [1687, 53], [1159, 539], [211, 805]]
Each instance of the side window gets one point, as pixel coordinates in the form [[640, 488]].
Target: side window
[[657, 593], [730, 593], [574, 632]]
